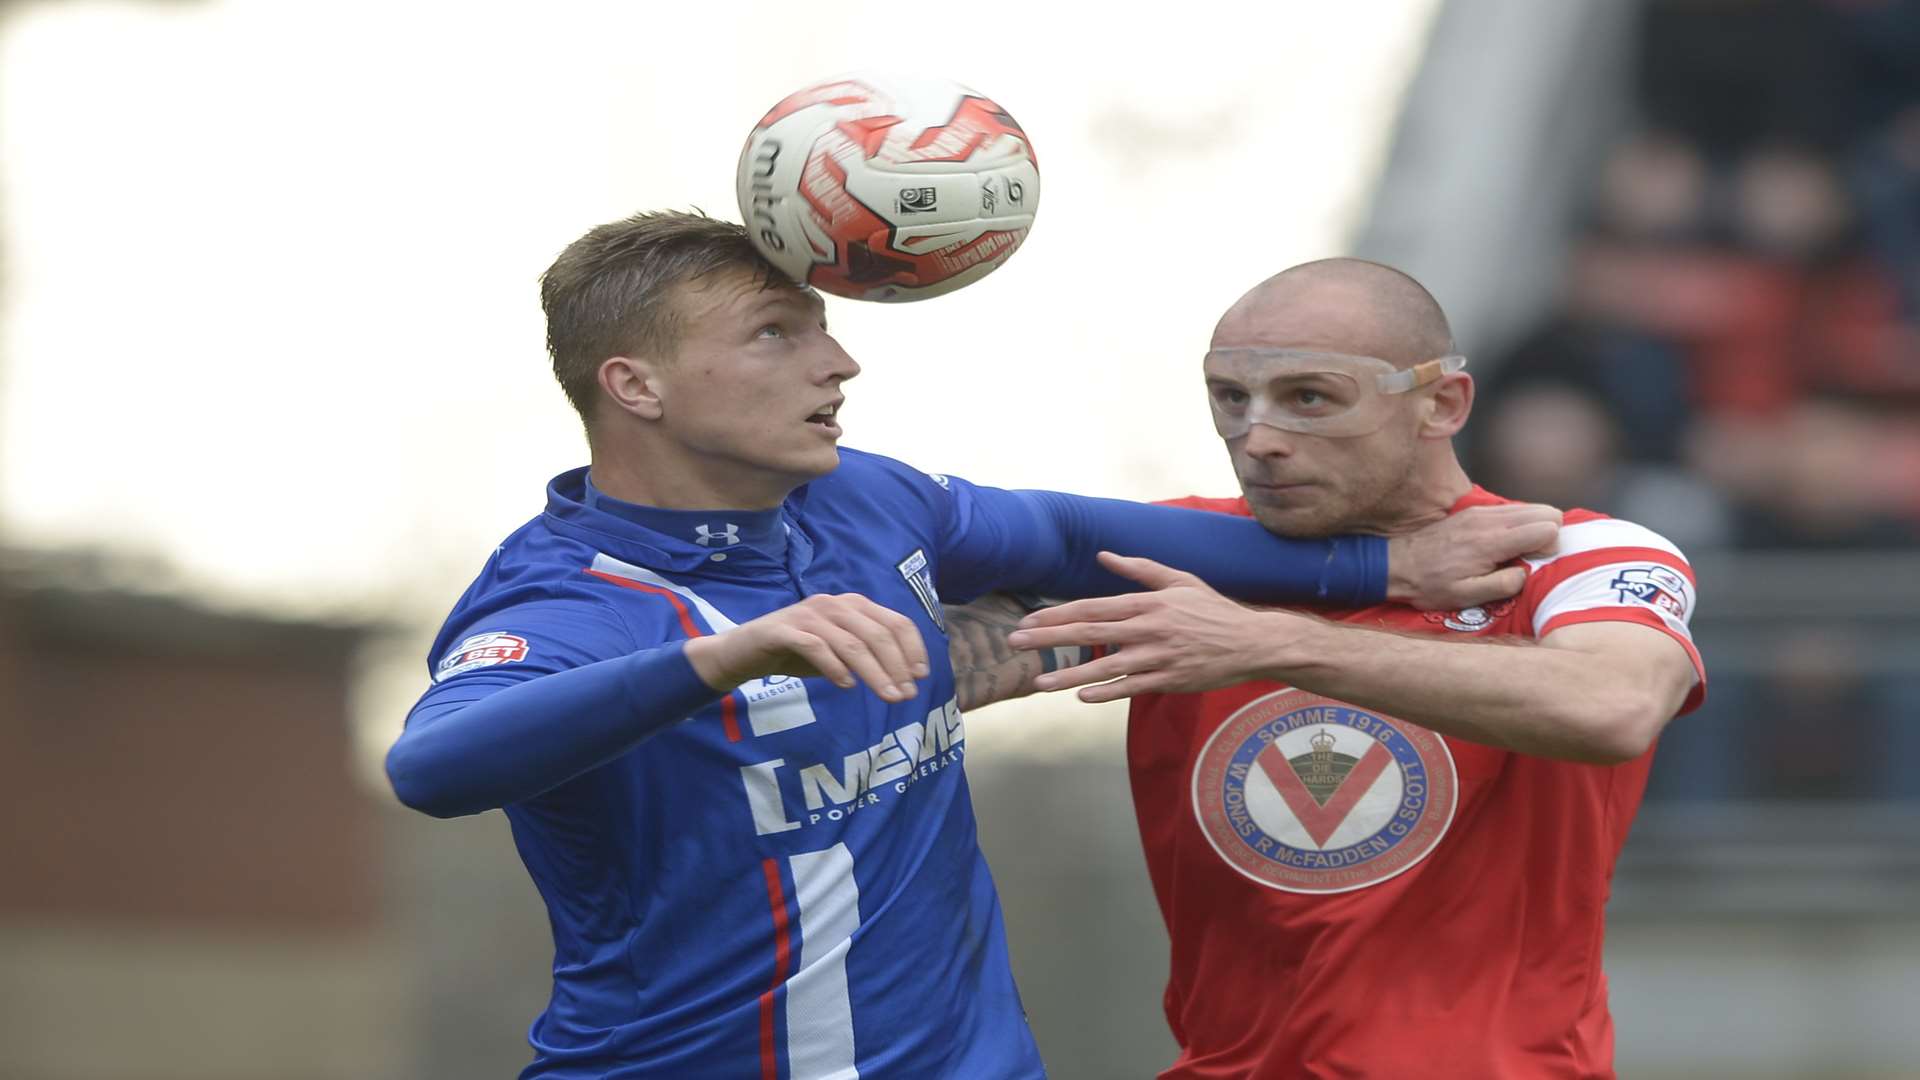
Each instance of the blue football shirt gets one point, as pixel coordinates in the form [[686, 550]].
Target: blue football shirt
[[784, 880]]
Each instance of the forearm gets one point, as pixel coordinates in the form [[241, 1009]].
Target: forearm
[[460, 755], [986, 668], [1234, 555], [1518, 695]]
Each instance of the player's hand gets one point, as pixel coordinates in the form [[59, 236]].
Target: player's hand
[[1461, 561], [1180, 637], [846, 638]]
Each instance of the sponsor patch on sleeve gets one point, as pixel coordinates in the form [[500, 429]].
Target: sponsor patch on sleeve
[[1658, 587], [481, 650]]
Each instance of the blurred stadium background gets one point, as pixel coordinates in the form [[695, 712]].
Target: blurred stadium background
[[271, 384]]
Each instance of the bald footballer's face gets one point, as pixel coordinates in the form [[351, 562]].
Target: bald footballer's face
[[1300, 483]]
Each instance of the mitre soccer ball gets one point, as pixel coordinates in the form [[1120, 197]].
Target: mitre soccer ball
[[881, 187]]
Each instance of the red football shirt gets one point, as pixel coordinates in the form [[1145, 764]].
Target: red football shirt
[[1352, 895]]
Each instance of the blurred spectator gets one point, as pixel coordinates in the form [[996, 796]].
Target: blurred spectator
[[1556, 442], [1787, 204], [1707, 325], [1653, 187], [1641, 379], [1789, 209], [1738, 360], [1822, 475]]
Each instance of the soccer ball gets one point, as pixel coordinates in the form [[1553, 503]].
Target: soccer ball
[[883, 187]]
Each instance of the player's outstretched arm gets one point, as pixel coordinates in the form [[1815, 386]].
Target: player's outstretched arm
[[473, 745], [1454, 563], [1596, 692], [1045, 542]]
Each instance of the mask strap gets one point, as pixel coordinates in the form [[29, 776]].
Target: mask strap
[[1421, 374]]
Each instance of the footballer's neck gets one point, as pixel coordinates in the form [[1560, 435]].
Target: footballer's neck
[[689, 485], [1437, 483], [631, 467]]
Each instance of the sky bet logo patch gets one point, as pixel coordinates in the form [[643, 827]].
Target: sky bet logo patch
[[482, 650], [1655, 586]]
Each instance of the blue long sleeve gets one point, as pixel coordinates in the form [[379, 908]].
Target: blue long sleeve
[[1045, 541], [1236, 555], [460, 754]]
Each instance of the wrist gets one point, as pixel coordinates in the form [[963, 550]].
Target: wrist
[[712, 660], [1285, 643], [1400, 586]]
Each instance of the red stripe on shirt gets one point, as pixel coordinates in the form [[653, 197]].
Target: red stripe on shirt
[[1580, 562], [729, 712], [1550, 576], [777, 899]]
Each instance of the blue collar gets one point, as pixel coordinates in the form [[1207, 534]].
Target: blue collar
[[763, 531], [670, 540]]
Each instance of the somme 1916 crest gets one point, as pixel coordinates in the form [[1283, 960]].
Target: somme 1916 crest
[[1310, 795]]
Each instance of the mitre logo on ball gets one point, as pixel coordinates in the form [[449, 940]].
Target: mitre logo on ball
[[888, 187]]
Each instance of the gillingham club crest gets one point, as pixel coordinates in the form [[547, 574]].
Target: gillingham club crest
[[1310, 795]]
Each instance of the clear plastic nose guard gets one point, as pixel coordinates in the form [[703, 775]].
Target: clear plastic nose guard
[[1314, 393]]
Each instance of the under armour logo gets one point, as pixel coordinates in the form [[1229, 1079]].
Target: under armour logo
[[728, 535]]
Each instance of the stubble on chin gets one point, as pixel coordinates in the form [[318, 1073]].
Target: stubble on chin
[[1298, 523]]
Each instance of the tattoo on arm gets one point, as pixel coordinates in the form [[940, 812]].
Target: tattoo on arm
[[985, 668]]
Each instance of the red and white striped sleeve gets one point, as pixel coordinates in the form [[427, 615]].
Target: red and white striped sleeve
[[1606, 570]]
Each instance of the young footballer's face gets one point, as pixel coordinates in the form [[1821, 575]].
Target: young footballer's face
[[753, 391]]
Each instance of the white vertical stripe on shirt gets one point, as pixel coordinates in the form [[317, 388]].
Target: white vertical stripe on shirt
[[819, 1009]]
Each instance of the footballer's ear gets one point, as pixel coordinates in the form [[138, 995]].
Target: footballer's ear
[[633, 385], [1447, 407]]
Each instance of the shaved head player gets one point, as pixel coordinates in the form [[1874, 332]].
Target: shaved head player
[[1382, 839]]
